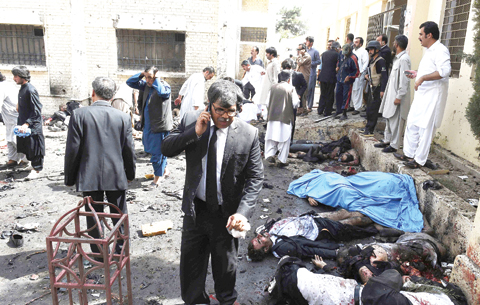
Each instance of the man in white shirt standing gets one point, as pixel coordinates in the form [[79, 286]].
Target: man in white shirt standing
[[271, 75], [359, 84], [192, 93], [428, 106]]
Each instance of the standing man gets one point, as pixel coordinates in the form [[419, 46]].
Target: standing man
[[431, 86], [304, 62], [9, 100], [359, 85], [298, 81], [283, 100], [271, 77], [385, 51], [328, 79], [223, 179], [349, 39], [156, 119], [254, 60], [347, 71], [377, 82], [99, 154], [315, 57], [29, 117], [396, 101], [192, 93]]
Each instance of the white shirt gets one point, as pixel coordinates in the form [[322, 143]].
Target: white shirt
[[221, 141], [9, 101], [254, 76], [430, 99], [193, 92], [363, 59], [294, 226]]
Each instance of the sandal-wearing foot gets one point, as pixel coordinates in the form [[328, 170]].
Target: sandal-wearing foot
[[152, 186], [412, 164], [389, 149], [402, 157]]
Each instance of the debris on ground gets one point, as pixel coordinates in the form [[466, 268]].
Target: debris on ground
[[156, 228]]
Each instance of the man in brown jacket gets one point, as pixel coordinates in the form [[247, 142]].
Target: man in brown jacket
[[304, 62], [283, 99]]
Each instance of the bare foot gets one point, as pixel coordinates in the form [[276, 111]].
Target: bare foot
[[312, 202]]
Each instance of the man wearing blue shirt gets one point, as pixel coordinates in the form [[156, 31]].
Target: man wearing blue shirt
[[347, 71]]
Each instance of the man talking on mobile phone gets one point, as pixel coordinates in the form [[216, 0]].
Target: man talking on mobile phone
[[223, 179]]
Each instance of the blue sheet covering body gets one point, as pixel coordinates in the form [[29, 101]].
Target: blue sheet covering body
[[388, 199]]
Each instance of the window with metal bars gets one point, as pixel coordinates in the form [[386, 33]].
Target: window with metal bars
[[253, 34], [22, 45], [138, 49], [454, 31]]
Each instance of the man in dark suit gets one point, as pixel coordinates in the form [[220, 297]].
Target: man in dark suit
[[385, 51], [328, 79], [99, 154], [223, 179], [300, 84]]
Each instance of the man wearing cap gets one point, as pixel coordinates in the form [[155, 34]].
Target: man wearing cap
[[377, 78], [29, 117]]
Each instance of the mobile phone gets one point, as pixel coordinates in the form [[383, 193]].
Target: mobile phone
[[408, 73], [209, 109]]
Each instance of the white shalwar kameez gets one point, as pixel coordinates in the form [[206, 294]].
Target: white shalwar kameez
[[270, 79], [193, 92], [428, 106], [255, 77], [9, 99], [279, 135], [359, 84]]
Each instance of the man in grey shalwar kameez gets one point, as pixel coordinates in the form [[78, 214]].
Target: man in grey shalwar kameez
[[396, 101]]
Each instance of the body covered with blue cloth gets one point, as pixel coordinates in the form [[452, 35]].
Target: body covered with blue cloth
[[388, 199]]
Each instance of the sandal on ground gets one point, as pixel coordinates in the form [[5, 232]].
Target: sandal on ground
[[402, 157], [412, 164], [152, 186]]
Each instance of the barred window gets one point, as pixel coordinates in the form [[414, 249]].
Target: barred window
[[138, 49], [347, 26], [254, 34], [454, 31], [22, 45]]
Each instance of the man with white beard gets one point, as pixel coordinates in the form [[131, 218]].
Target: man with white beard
[[431, 90], [359, 84]]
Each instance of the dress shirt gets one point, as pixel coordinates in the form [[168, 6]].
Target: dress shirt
[[221, 141], [363, 59]]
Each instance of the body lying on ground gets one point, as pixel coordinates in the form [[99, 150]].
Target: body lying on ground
[[295, 284], [303, 236], [388, 199]]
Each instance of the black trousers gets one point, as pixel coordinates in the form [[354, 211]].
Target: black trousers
[[248, 91], [327, 96], [293, 124], [114, 197], [373, 105], [203, 237]]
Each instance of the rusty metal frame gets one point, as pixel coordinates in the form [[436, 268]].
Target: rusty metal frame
[[76, 254]]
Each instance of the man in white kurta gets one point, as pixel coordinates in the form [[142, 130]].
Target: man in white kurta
[[431, 86], [9, 100], [283, 99], [359, 84], [192, 93], [271, 76], [396, 100]]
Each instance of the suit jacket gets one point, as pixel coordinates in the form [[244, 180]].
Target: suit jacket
[[99, 155], [386, 53], [241, 175], [329, 66], [301, 247], [299, 82]]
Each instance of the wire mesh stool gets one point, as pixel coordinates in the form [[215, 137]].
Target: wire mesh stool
[[68, 271]]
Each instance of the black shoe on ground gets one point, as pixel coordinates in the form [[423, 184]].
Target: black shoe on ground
[[355, 112], [389, 149], [350, 109], [343, 117], [381, 145]]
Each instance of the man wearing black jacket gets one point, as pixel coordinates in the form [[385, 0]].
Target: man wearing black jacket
[[304, 236], [328, 79], [100, 154], [385, 51]]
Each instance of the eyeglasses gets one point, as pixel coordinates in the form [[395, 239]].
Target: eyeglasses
[[221, 111]]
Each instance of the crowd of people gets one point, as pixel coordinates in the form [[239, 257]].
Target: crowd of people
[[224, 167]]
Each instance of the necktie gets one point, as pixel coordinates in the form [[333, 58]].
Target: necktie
[[211, 183]]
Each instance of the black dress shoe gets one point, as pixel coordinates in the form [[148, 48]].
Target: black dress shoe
[[381, 145], [355, 112], [389, 149], [350, 109], [412, 164], [343, 117]]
